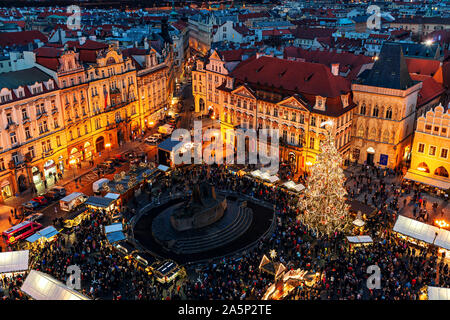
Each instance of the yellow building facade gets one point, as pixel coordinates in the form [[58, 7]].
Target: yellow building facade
[[430, 162]]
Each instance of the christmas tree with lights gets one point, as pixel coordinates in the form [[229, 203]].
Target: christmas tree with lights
[[324, 208]]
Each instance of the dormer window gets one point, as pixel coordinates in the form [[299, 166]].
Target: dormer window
[[5, 98], [320, 103], [344, 99]]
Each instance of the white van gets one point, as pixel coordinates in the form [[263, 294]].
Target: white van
[[72, 201], [165, 129], [97, 185]]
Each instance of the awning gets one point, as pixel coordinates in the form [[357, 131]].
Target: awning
[[14, 261], [99, 202], [427, 180], [41, 286], [438, 293], [115, 236], [359, 239], [256, 173], [163, 168], [113, 196], [358, 223], [46, 233], [423, 232], [113, 228], [294, 186]]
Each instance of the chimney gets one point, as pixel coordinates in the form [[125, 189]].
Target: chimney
[[335, 69], [259, 54]]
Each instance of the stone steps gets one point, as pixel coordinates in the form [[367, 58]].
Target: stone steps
[[216, 239]]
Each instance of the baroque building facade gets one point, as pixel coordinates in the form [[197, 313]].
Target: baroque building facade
[[268, 93]]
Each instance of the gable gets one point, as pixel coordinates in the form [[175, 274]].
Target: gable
[[215, 56], [292, 102], [243, 91]]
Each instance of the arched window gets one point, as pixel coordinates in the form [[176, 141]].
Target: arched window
[[373, 134], [389, 113], [360, 131], [375, 111], [386, 136], [363, 109], [423, 167], [441, 171]]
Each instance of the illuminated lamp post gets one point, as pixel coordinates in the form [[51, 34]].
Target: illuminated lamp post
[[73, 162], [108, 147]]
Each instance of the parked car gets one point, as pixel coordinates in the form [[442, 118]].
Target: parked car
[[60, 190], [36, 216], [31, 205], [52, 195], [120, 158], [41, 200], [151, 140]]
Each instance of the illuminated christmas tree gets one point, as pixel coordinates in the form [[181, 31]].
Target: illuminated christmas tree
[[324, 207]]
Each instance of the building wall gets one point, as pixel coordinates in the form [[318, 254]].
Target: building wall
[[431, 146], [390, 131]]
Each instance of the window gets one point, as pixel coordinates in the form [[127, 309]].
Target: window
[[421, 148], [311, 143], [436, 129], [86, 129], [55, 123], [375, 111], [79, 132], [27, 133], [389, 113], [444, 153], [313, 121], [13, 138], [31, 151], [428, 127], [9, 118], [302, 118], [2, 164], [292, 138], [432, 151], [444, 130], [363, 109], [24, 114], [58, 141], [15, 157], [275, 112]]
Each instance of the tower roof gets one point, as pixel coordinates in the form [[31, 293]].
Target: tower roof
[[389, 71]]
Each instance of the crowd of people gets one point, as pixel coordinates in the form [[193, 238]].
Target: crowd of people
[[343, 270]]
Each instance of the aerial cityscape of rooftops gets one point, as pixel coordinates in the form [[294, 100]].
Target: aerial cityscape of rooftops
[[225, 150]]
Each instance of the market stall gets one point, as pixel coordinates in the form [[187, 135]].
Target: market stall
[[167, 271], [100, 203], [422, 234], [75, 217], [438, 293], [44, 235], [114, 233], [359, 241], [291, 185], [41, 286], [14, 261]]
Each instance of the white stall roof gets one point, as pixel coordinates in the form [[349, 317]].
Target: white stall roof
[[41, 286], [293, 186], [422, 231], [415, 229], [438, 293], [14, 261], [163, 168], [256, 173], [360, 239], [113, 227], [358, 222], [111, 195]]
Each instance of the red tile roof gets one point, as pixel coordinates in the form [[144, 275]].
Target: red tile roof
[[312, 33], [242, 29], [423, 66], [301, 77], [347, 61], [276, 32], [180, 25], [235, 55], [430, 89], [20, 38]]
